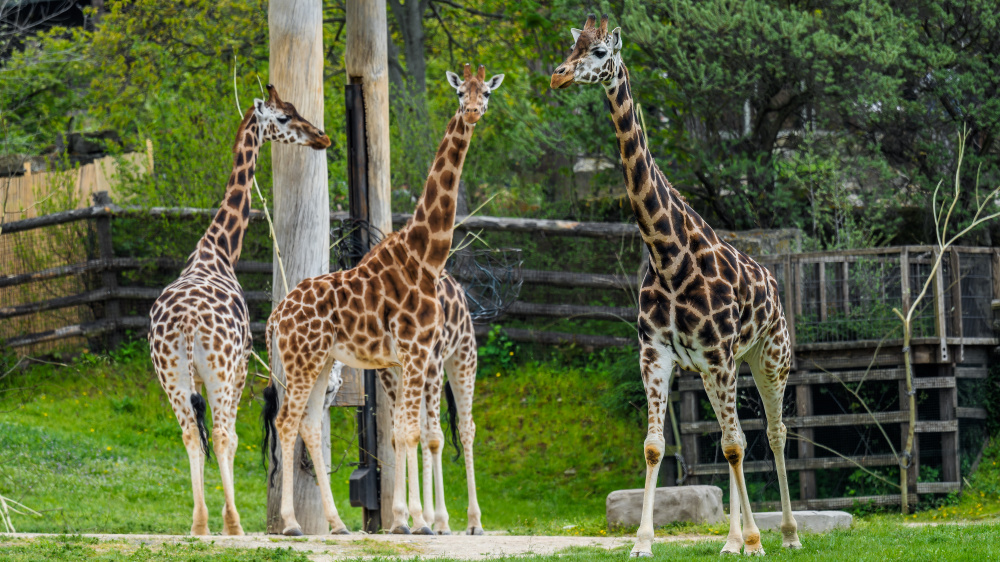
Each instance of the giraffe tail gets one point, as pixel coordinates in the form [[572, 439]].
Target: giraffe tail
[[452, 418], [197, 401]]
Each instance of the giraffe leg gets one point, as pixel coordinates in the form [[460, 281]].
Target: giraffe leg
[[180, 390], [196, 458], [312, 435], [400, 512], [462, 374], [432, 441], [734, 542], [656, 362], [428, 465], [413, 436], [770, 373], [286, 425], [223, 395], [720, 385]]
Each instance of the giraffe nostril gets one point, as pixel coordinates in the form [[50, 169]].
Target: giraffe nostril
[[561, 70]]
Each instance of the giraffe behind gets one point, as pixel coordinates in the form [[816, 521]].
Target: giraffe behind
[[199, 332], [382, 314]]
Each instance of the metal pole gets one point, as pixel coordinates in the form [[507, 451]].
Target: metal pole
[[365, 489]]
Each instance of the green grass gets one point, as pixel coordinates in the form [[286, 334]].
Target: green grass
[[94, 446], [879, 540]]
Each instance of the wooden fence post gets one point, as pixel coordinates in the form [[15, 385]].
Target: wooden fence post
[[689, 441], [804, 408], [109, 278]]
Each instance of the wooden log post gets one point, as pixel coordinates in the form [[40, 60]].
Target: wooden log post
[[689, 440], [109, 278], [366, 61], [803, 409], [301, 212]]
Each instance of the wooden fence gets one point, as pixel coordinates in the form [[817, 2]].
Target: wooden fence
[[838, 306]]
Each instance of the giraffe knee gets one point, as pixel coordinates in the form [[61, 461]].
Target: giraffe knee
[[733, 454], [221, 439], [434, 445], [776, 436], [653, 450]]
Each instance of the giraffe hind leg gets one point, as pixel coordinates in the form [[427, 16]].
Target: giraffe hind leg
[[459, 394], [770, 372]]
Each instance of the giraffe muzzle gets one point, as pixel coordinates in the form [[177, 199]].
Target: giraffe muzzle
[[319, 143], [472, 116], [561, 78]]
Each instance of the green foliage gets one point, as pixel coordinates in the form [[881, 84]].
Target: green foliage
[[498, 354]]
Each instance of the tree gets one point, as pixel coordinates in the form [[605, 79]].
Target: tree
[[740, 86]]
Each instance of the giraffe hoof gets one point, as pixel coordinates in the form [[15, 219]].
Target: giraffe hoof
[[341, 531], [425, 530], [641, 554], [732, 548], [196, 531], [292, 531], [444, 532], [401, 530], [478, 531]]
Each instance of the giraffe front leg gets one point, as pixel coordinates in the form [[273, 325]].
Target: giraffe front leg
[[413, 410], [657, 363], [428, 468], [400, 513], [734, 542]]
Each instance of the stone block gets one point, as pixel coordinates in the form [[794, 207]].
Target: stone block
[[809, 521], [694, 504]]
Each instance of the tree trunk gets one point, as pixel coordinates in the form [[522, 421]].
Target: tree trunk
[[366, 61], [410, 19], [301, 210]]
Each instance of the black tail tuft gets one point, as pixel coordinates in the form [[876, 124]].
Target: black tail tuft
[[198, 404], [270, 441], [449, 397]]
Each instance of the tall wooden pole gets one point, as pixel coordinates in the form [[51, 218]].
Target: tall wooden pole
[[367, 62], [301, 210]]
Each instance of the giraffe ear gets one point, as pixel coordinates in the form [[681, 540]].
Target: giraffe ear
[[616, 40], [454, 80], [495, 82], [576, 34], [258, 104]]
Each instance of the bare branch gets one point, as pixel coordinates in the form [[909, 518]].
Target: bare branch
[[497, 16]]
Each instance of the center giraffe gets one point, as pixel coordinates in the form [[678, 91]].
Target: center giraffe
[[704, 305], [382, 314]]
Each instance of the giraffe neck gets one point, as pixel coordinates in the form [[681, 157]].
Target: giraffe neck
[[429, 233], [665, 220], [224, 237]]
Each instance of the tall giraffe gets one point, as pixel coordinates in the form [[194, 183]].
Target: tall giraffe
[[703, 305], [382, 314], [200, 329], [458, 350]]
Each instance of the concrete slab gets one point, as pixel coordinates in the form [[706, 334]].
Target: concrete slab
[[694, 504], [810, 521]]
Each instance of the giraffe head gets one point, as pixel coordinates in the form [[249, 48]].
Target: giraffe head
[[596, 55], [281, 122], [473, 92]]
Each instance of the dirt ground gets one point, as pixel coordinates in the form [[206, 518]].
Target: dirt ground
[[329, 548]]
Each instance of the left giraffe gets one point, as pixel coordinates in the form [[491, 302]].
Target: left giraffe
[[200, 328]]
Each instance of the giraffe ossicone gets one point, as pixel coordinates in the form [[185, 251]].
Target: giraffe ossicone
[[703, 305], [199, 332], [384, 313]]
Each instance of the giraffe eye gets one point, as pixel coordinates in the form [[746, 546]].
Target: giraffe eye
[[486, 94], [284, 119], [600, 53]]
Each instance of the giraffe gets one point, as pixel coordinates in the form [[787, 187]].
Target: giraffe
[[199, 332], [384, 313], [458, 349], [703, 304]]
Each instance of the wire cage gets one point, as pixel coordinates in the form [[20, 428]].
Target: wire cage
[[492, 280], [350, 240]]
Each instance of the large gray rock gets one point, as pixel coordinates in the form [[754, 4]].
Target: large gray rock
[[695, 504], [811, 521]]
